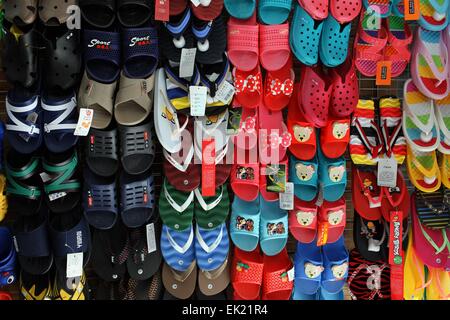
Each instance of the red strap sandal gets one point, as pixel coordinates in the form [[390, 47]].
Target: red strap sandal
[[248, 86], [335, 137], [247, 273], [276, 284], [279, 87], [397, 48]]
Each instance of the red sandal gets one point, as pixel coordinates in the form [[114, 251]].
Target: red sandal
[[247, 273], [345, 94], [279, 86], [276, 283]]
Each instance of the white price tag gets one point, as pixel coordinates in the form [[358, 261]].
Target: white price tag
[[197, 98], [74, 266], [387, 172], [195, 2], [187, 62], [45, 177], [151, 239], [376, 203], [287, 197], [225, 93], [373, 245], [56, 196], [291, 274], [84, 122]]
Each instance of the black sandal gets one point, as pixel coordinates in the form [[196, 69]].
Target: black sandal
[[99, 13], [102, 152], [134, 13]]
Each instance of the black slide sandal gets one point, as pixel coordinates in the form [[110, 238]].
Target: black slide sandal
[[102, 152], [134, 13], [99, 13]]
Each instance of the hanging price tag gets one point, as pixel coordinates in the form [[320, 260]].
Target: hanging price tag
[[287, 197], [412, 10], [74, 267], [225, 93], [384, 77], [197, 98], [208, 168], [322, 233], [151, 239], [387, 172], [187, 62], [84, 122], [162, 10]]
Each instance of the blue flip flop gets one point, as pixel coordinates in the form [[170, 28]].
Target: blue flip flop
[[325, 295], [240, 9], [177, 247], [274, 227], [7, 258], [211, 247], [335, 261], [332, 176], [244, 223], [60, 121], [333, 49], [305, 177], [305, 36], [308, 263], [274, 11]]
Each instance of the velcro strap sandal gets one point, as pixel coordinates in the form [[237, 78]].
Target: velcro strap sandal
[[102, 152]]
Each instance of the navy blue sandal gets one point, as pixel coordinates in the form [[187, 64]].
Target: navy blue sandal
[[7, 258]]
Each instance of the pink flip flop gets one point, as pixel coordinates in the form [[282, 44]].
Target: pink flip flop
[[279, 86], [303, 221], [314, 95], [243, 43], [245, 178], [247, 138], [274, 138], [345, 10], [345, 94], [334, 213], [248, 85], [274, 46], [317, 9]]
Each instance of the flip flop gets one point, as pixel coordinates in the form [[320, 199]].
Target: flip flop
[[62, 185], [100, 98], [141, 263], [274, 228], [178, 248], [137, 151], [345, 11], [274, 138], [305, 36], [395, 199], [137, 199], [180, 284], [248, 85], [60, 121], [429, 65], [3, 198], [211, 247], [24, 122], [276, 284], [134, 13], [176, 207], [211, 212], [303, 145], [439, 286], [431, 209], [247, 273], [335, 261], [62, 58], [212, 283], [369, 236], [207, 10], [304, 175], [345, 94], [431, 246], [274, 45], [210, 38], [100, 200], [423, 170], [102, 152], [309, 266], [245, 181], [141, 290], [397, 48], [32, 243], [303, 221], [23, 187], [365, 135], [244, 224], [314, 95], [243, 43], [212, 127], [380, 8], [274, 12], [35, 287], [391, 128], [318, 9], [69, 233], [7, 258], [22, 13], [53, 12], [369, 46], [433, 14], [139, 51], [332, 177], [279, 87], [176, 35], [366, 195], [442, 114], [334, 215], [110, 250], [335, 137], [100, 14], [102, 55], [444, 166], [70, 288], [19, 57], [334, 42], [240, 9]]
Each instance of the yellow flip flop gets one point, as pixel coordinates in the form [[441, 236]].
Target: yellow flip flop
[[423, 170], [414, 274], [3, 201], [439, 288]]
